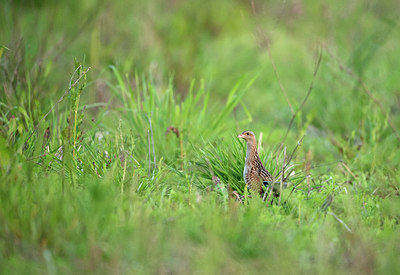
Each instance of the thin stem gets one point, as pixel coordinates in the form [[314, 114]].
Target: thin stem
[[265, 42], [283, 175], [59, 100], [152, 143], [369, 94], [148, 140], [316, 68]]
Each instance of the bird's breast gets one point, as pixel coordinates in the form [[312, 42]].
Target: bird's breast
[[245, 172]]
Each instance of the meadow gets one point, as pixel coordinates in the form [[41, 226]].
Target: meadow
[[117, 117]]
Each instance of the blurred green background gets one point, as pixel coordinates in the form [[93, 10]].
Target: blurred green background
[[182, 59], [218, 42]]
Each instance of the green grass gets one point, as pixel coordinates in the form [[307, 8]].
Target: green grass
[[107, 159]]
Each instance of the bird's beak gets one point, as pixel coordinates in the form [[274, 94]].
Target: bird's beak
[[241, 136]]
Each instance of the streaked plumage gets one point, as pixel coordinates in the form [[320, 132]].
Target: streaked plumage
[[254, 173]]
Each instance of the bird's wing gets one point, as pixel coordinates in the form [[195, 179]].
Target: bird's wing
[[265, 175], [262, 172]]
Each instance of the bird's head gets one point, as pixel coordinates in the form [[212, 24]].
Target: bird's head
[[248, 136]]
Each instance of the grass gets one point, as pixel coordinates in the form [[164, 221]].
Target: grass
[[107, 159]]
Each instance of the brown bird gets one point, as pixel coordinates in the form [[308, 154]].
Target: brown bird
[[255, 175]]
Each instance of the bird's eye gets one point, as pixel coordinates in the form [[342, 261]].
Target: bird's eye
[[247, 133]]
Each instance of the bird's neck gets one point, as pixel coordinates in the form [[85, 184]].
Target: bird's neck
[[251, 152]]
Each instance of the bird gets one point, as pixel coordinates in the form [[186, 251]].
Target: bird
[[254, 173]]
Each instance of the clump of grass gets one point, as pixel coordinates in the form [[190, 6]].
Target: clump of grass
[[163, 130], [224, 158]]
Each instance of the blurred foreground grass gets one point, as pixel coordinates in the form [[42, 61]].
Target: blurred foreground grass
[[109, 169]]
